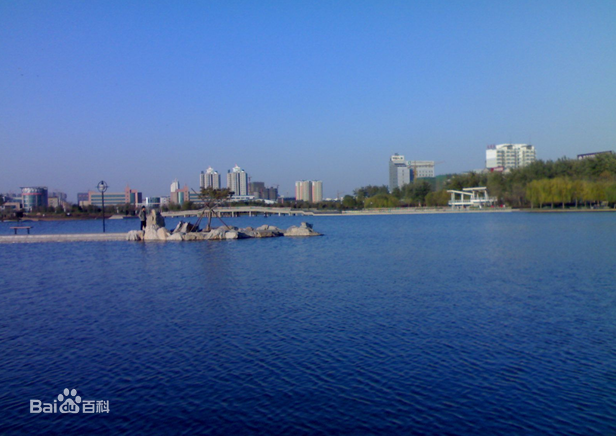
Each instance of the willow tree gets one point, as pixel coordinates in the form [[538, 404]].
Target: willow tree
[[562, 190]]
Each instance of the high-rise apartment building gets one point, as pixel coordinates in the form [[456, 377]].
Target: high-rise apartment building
[[209, 179], [399, 172], [237, 181], [317, 191], [509, 156], [309, 190]]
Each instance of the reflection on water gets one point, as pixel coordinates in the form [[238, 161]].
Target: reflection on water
[[460, 324]]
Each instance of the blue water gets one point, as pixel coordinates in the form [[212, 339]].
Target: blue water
[[457, 324]]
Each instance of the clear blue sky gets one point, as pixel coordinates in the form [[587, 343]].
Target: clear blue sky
[[142, 93]]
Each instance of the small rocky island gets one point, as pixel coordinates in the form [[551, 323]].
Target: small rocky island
[[155, 231]]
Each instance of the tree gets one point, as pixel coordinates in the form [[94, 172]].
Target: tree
[[577, 191], [370, 191], [212, 199], [349, 202], [440, 198], [381, 200], [610, 193], [416, 191]]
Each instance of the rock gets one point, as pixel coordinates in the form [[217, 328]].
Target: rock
[[215, 234], [150, 233], [178, 228], [249, 232], [162, 233], [266, 231], [194, 236], [266, 234], [176, 236], [232, 235], [188, 227], [303, 230], [155, 218], [189, 232], [135, 235]]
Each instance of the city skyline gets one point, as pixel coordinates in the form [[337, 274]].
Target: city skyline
[[140, 95]]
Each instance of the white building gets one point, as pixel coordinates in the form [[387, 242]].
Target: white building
[[209, 179], [399, 172], [175, 185], [509, 156], [237, 181], [422, 168]]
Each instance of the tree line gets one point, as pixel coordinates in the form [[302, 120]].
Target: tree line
[[564, 182]]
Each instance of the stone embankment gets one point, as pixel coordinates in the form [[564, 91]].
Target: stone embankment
[[155, 231]]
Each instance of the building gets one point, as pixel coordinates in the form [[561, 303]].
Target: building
[[152, 202], [399, 172], [271, 193], [303, 191], [237, 181], [129, 196], [261, 192], [33, 197], [209, 179], [256, 189], [82, 198], [179, 196], [317, 191], [421, 168], [53, 202], [509, 156], [309, 190], [591, 155], [58, 199]]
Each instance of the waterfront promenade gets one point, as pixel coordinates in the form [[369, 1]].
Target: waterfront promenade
[[76, 237]]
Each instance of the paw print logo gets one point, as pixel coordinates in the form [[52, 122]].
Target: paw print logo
[[70, 405]]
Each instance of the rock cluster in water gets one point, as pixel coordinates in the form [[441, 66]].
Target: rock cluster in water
[[155, 231]]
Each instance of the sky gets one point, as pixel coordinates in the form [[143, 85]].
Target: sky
[[141, 93]]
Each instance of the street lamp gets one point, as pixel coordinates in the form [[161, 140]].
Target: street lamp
[[102, 187]]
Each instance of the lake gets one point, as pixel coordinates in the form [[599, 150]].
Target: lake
[[459, 324]]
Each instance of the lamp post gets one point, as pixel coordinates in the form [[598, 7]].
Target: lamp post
[[102, 187]]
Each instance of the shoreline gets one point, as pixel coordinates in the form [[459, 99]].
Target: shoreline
[[256, 210], [112, 237]]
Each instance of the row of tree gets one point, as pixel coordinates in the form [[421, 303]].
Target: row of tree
[[562, 182], [565, 191]]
